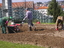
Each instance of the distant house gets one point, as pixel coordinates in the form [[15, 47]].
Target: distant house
[[28, 4], [42, 14], [42, 10]]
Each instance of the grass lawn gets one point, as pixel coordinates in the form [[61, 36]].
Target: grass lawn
[[4, 44]]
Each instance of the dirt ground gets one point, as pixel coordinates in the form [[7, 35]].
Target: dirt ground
[[45, 35]]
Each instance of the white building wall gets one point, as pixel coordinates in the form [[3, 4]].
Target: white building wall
[[43, 11]]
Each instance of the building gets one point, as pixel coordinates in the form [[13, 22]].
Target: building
[[42, 14], [17, 7], [42, 10]]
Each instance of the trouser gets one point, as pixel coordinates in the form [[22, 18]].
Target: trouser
[[30, 24], [3, 29], [60, 22]]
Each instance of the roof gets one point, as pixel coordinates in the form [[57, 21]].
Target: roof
[[43, 7], [28, 4], [23, 4]]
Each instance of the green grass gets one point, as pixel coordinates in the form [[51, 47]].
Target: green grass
[[4, 44]]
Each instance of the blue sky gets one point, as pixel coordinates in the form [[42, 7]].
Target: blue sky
[[31, 0]]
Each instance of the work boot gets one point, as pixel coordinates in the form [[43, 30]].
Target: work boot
[[35, 29], [30, 29]]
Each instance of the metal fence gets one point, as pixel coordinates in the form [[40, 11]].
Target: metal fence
[[19, 12]]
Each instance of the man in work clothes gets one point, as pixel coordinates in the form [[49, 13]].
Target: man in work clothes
[[3, 26], [29, 17]]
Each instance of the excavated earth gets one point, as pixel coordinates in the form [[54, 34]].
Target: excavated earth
[[45, 35]]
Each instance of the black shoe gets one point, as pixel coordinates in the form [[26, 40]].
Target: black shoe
[[30, 28]]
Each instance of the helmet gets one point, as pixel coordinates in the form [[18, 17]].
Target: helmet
[[10, 17]]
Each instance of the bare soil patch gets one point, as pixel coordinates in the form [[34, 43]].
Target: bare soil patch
[[45, 35]]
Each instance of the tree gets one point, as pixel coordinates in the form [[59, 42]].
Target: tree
[[54, 9], [62, 13]]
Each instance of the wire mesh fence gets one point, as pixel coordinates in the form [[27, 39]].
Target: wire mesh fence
[[18, 12]]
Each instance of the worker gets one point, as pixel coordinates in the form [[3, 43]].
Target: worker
[[30, 18], [3, 26], [59, 22]]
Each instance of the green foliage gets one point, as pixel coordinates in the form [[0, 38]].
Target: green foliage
[[4, 44], [62, 14], [54, 9]]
